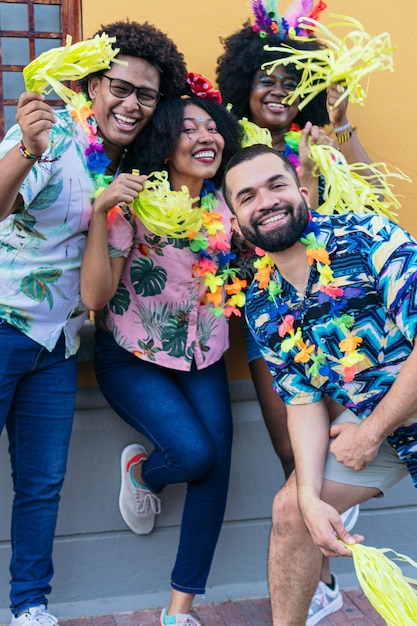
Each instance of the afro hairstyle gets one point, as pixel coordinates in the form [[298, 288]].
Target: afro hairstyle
[[243, 56], [146, 42]]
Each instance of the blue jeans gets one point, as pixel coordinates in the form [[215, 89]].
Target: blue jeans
[[187, 417], [37, 394]]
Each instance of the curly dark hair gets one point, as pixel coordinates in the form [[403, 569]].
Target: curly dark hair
[[243, 56], [159, 139], [149, 43]]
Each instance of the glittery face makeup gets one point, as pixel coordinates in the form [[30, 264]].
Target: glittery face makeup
[[267, 99], [199, 149]]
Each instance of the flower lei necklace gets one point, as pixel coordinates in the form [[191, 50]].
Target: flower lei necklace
[[213, 249], [330, 292], [97, 159]]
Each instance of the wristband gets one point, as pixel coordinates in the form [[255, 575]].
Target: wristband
[[342, 128], [344, 136], [34, 157]]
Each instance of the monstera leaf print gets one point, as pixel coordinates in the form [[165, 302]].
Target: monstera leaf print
[[120, 302], [35, 286], [147, 280], [174, 336]]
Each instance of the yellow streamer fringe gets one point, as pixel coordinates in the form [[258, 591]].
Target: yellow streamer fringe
[[70, 63], [384, 584], [253, 134], [354, 187], [166, 212], [347, 61]]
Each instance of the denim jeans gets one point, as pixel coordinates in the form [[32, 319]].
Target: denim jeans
[[37, 394], [187, 417]]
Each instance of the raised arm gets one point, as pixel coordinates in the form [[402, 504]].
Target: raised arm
[[35, 118], [351, 148], [100, 274]]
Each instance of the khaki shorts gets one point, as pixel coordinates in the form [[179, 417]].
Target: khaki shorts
[[385, 470]]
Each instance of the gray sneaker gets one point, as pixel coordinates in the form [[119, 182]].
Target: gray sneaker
[[181, 619], [350, 517], [138, 506], [325, 602], [35, 616]]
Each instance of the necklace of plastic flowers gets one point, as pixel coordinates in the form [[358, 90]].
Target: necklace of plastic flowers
[[213, 249], [96, 157], [292, 337]]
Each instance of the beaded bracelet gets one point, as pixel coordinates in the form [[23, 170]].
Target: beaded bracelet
[[344, 135], [34, 157]]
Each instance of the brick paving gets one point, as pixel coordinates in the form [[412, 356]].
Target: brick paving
[[356, 611]]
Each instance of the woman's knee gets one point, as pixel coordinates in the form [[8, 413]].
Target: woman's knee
[[192, 459]]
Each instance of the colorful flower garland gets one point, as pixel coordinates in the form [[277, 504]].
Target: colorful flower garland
[[316, 253], [211, 244], [97, 159]]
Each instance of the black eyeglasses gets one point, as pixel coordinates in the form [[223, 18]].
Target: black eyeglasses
[[122, 89]]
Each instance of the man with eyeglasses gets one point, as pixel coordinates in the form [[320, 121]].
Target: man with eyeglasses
[[51, 168]]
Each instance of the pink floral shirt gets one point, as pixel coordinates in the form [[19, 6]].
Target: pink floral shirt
[[157, 312]]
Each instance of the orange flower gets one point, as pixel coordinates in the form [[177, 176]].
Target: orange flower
[[350, 344], [236, 286], [263, 276], [216, 297], [318, 254], [305, 350]]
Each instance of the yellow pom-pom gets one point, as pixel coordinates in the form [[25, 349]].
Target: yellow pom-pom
[[252, 134], [70, 62], [166, 212], [346, 61], [384, 584], [355, 187]]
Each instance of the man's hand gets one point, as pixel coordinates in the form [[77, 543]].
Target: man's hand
[[353, 445], [325, 527], [36, 118]]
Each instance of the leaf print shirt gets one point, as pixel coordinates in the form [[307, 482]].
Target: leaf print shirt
[[41, 245], [157, 313]]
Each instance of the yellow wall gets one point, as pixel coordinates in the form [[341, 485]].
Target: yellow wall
[[386, 125]]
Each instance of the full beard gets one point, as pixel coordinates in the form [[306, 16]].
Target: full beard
[[279, 239]]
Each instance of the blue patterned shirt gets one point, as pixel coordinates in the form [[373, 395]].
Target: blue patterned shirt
[[375, 262]]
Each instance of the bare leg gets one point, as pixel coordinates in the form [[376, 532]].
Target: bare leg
[[275, 418], [295, 562], [180, 602]]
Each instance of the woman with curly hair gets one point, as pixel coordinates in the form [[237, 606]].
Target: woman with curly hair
[[161, 339], [259, 96]]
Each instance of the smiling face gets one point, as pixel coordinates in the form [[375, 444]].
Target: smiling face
[[271, 209], [198, 153], [266, 96], [121, 119]]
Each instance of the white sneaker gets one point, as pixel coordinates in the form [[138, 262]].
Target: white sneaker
[[350, 517], [325, 602], [138, 506], [34, 616], [181, 619]]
